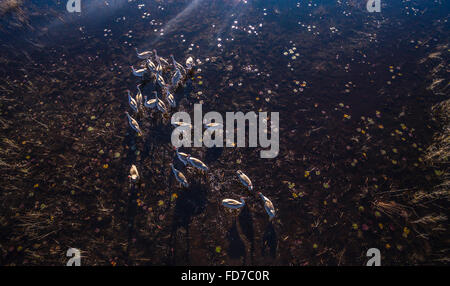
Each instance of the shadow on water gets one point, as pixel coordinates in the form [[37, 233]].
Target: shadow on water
[[270, 241], [246, 222], [132, 211], [213, 154], [191, 202], [236, 248]]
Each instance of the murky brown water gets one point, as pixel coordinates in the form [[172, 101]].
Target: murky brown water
[[350, 88]]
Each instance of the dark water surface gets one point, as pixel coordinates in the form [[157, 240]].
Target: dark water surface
[[351, 88]]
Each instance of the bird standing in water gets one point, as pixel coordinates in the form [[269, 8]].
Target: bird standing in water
[[160, 79], [176, 79], [139, 97], [144, 55], [152, 102], [197, 163], [179, 176], [182, 124], [214, 126], [151, 66], [132, 102], [183, 157], [139, 72], [178, 65], [134, 174], [245, 180], [169, 96], [233, 204], [160, 60], [134, 124], [268, 206], [189, 63], [160, 104]]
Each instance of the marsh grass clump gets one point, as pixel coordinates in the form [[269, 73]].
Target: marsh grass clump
[[431, 222], [438, 152]]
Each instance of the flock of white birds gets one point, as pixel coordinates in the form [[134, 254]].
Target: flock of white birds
[[155, 69]]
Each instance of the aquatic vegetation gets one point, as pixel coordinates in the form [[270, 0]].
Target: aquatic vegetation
[[354, 95]]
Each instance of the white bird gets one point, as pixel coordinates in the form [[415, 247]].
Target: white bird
[[189, 63], [132, 102], [183, 157], [134, 124], [139, 72], [151, 66], [160, 59], [268, 206], [134, 174], [160, 105], [160, 80], [214, 126], [152, 102], [178, 65], [182, 124], [144, 55], [171, 100], [233, 204], [139, 97], [245, 180], [197, 163], [170, 97], [179, 176], [159, 67], [176, 78]]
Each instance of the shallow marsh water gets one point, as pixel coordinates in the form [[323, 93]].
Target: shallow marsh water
[[351, 87]]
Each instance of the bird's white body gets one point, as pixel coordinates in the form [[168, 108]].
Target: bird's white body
[[189, 63], [139, 72], [134, 174], [182, 124], [183, 157], [268, 206], [214, 126], [160, 80], [134, 124], [197, 163], [176, 78], [132, 102], [150, 103], [170, 98], [151, 66], [233, 204], [139, 97], [245, 180], [160, 60], [179, 176], [178, 65], [161, 106], [144, 55]]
